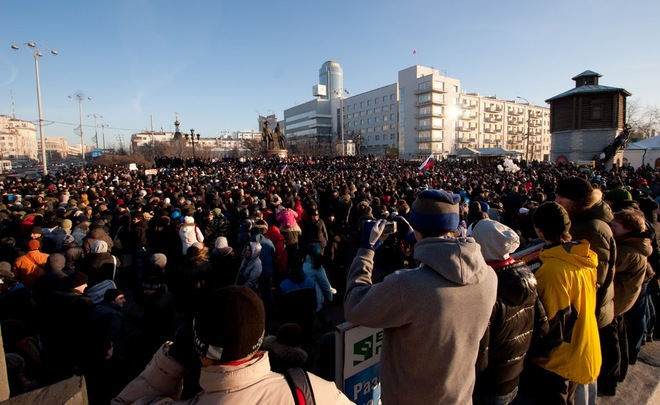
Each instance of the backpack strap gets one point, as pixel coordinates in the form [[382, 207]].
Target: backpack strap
[[301, 387]]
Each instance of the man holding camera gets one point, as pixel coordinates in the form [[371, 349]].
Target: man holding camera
[[433, 316]]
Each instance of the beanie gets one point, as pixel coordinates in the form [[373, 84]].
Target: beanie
[[188, 220], [552, 219], [618, 195], [55, 262], [575, 189], [435, 211], [111, 294], [159, 260], [497, 240], [76, 279], [484, 206], [230, 325], [33, 244], [99, 246], [221, 246], [5, 270], [68, 240], [217, 212], [66, 224]]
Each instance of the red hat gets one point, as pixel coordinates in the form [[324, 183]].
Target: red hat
[[33, 244]]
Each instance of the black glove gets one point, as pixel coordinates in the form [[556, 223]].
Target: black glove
[[183, 348]]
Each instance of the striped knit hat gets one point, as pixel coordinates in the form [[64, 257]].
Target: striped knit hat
[[435, 211]]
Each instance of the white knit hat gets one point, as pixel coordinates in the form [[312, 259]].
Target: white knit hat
[[496, 239]]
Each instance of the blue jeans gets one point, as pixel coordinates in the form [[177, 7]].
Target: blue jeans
[[499, 400]]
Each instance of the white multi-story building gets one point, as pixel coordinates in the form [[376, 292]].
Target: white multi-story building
[[424, 112], [18, 141]]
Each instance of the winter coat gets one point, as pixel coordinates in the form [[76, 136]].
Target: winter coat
[[249, 383], [138, 236], [453, 284], [250, 270], [632, 251], [219, 226], [29, 267], [280, 260], [567, 287], [189, 234], [99, 267], [511, 328], [323, 293], [288, 219], [593, 225]]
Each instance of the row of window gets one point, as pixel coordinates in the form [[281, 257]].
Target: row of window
[[376, 101]]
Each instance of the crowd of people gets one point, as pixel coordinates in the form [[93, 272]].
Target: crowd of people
[[101, 266]]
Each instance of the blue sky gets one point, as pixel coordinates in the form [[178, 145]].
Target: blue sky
[[219, 64]]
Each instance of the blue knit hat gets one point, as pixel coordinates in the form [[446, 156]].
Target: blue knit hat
[[435, 210]]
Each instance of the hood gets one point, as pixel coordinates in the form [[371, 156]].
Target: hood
[[575, 253], [600, 211], [255, 248], [457, 259], [636, 241], [515, 284], [274, 234], [97, 233]]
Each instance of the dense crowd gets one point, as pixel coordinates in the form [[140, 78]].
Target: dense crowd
[[99, 266]]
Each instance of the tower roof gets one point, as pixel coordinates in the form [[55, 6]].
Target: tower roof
[[587, 83]]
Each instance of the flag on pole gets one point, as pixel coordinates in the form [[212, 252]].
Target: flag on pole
[[428, 163], [285, 169]]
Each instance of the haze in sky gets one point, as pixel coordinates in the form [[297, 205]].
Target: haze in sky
[[217, 65]]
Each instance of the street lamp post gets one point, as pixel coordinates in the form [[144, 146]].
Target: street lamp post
[[103, 126], [527, 113], [80, 97], [37, 54], [192, 141], [340, 93], [96, 134]]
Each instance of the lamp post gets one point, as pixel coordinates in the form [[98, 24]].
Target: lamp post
[[103, 126], [457, 118], [340, 93], [80, 97], [527, 133], [192, 141], [37, 54], [96, 134]]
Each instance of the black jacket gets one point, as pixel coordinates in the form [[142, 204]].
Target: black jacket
[[512, 325]]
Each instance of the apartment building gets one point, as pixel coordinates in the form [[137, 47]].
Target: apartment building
[[18, 140]]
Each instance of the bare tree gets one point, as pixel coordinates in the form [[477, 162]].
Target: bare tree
[[644, 119]]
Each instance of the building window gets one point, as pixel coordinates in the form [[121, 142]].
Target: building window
[[361, 104], [385, 108], [384, 99], [392, 96], [391, 136], [385, 118], [375, 101], [368, 102], [596, 112], [376, 120], [377, 138]]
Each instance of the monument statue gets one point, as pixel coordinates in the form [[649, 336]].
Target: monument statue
[[267, 135], [279, 135]]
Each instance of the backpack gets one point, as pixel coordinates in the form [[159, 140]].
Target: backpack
[[301, 388]]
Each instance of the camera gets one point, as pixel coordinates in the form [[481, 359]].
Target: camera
[[390, 228]]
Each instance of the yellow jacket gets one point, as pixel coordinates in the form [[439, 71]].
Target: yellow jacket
[[567, 288]]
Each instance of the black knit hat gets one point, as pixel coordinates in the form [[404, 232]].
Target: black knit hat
[[552, 219], [230, 324], [575, 189]]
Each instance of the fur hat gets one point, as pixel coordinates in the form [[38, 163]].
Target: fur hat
[[5, 270], [496, 239], [575, 189], [435, 210], [552, 219], [230, 325], [33, 244]]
